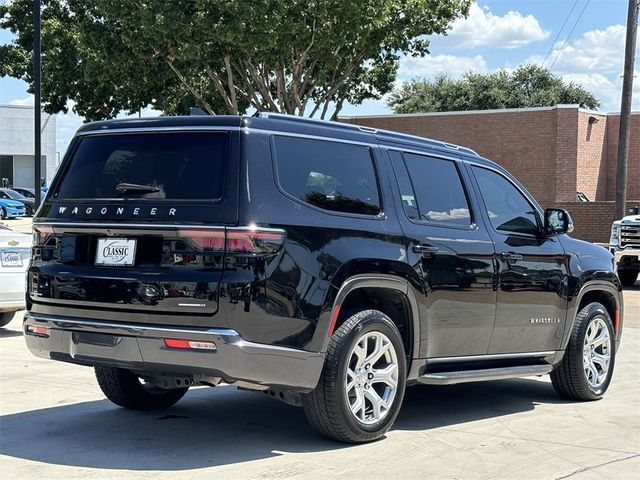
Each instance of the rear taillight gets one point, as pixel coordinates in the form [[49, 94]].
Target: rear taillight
[[206, 240], [235, 240], [254, 240], [41, 235]]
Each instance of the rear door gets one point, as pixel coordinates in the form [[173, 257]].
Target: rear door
[[451, 255], [532, 304], [135, 224]]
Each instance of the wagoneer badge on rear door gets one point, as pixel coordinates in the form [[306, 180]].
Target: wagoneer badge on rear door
[[135, 211]]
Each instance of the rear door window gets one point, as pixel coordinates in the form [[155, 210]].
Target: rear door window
[[439, 195], [330, 175], [175, 166]]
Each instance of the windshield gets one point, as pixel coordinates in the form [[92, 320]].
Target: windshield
[[175, 166], [13, 194], [26, 193]]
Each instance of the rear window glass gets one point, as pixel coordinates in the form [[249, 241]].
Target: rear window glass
[[176, 166], [330, 175]]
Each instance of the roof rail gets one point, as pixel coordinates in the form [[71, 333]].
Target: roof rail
[[365, 129]]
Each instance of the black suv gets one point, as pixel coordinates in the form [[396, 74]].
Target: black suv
[[327, 264]]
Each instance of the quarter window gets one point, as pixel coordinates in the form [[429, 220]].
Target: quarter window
[[508, 210], [333, 176], [439, 194]]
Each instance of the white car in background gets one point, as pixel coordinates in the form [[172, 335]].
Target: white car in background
[[15, 252]]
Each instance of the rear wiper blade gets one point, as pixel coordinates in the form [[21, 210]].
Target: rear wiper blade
[[136, 188]]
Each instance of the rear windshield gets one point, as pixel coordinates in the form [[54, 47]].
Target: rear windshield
[[175, 166]]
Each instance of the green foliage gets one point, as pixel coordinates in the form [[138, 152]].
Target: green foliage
[[528, 86], [293, 56]]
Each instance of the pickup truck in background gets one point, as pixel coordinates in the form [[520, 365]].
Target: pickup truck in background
[[624, 244]]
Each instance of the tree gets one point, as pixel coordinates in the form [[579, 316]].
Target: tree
[[528, 86], [294, 56]]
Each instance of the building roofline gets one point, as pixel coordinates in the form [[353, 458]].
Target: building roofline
[[8, 105], [480, 112], [22, 107]]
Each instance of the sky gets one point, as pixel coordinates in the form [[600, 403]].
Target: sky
[[580, 40]]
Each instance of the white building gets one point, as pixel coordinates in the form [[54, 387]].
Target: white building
[[16, 146]]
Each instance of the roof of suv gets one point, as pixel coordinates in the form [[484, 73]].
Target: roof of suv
[[280, 123]]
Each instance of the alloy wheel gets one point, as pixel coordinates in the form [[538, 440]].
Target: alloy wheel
[[596, 353], [371, 380]]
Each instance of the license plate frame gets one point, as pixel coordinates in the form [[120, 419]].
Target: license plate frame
[[14, 262], [115, 252]]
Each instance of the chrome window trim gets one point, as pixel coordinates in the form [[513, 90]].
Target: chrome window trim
[[307, 136], [463, 183], [245, 129], [381, 215]]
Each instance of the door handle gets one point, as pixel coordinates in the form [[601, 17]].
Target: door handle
[[425, 250], [510, 257]]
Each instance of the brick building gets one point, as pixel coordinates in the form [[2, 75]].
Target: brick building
[[555, 151]]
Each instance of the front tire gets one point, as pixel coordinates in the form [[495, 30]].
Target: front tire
[[628, 277], [3, 213], [587, 367], [363, 380], [127, 390]]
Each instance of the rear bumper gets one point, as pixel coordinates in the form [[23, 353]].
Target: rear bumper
[[141, 348]]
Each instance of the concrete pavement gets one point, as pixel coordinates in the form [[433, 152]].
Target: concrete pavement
[[22, 225], [54, 423]]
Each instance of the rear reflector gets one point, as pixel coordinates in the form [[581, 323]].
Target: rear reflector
[[38, 330], [334, 319], [189, 344]]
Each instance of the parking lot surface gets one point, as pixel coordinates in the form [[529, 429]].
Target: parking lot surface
[[55, 423]]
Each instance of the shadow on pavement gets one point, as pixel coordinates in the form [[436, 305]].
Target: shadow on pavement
[[226, 426], [6, 333], [427, 407]]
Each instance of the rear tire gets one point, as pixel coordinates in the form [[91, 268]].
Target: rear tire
[[126, 390], [587, 367], [5, 318], [362, 384], [628, 277]]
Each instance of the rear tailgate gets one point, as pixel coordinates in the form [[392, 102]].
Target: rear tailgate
[[98, 246]]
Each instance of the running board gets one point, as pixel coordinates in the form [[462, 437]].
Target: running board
[[461, 376]]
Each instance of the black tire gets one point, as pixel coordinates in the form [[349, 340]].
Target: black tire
[[327, 407], [3, 213], [569, 378], [628, 277], [5, 318], [125, 389]]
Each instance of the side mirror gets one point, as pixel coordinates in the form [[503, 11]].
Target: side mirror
[[557, 221]]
